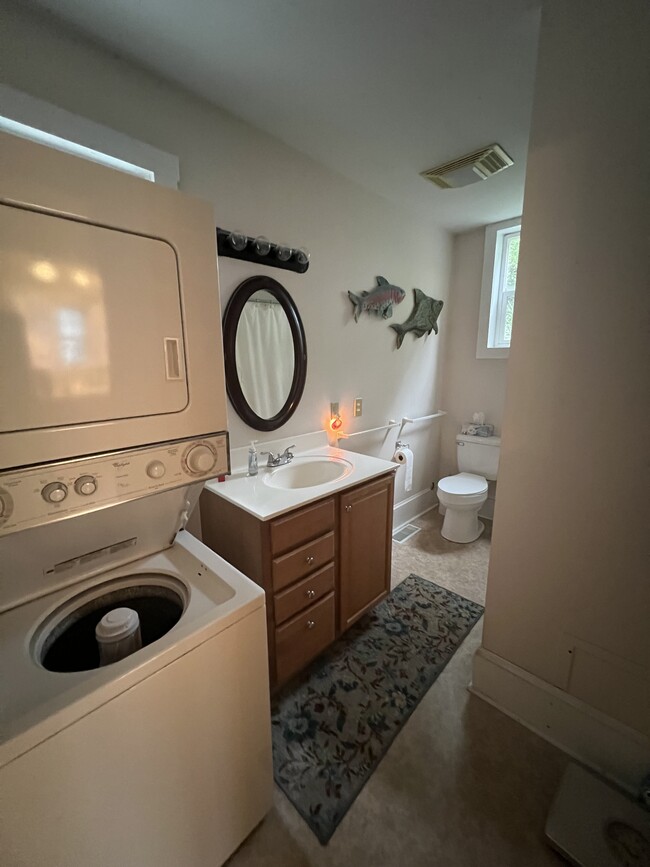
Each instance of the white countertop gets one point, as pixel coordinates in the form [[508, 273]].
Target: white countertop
[[255, 496]]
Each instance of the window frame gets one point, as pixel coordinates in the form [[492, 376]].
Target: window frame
[[493, 301], [94, 140]]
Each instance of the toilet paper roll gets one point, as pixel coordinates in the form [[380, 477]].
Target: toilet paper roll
[[404, 456]]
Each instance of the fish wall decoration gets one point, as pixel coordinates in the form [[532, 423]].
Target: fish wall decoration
[[423, 319], [379, 300]]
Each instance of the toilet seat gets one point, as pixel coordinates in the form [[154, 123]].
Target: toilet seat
[[463, 486]]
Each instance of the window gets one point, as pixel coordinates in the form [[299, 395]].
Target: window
[[500, 263], [39, 121]]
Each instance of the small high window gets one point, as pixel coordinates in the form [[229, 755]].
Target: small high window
[[501, 259], [31, 118]]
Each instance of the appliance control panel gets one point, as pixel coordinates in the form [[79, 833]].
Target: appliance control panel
[[34, 496]]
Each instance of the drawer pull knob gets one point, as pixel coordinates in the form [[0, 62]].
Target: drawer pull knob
[[311, 624], [311, 594], [348, 508], [310, 559]]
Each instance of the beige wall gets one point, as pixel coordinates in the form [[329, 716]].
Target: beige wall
[[261, 186], [470, 384], [569, 587]]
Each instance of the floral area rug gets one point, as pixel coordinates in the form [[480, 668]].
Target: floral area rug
[[332, 727]]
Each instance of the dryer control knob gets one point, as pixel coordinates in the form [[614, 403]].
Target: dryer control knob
[[85, 485], [55, 492], [200, 460], [156, 469]]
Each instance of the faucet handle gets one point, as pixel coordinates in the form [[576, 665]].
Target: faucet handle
[[288, 451]]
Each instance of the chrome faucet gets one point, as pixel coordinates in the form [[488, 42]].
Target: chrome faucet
[[281, 458]]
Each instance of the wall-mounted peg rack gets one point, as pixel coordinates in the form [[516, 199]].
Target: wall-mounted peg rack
[[271, 255]]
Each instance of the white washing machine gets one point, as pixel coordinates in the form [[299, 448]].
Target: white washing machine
[[162, 758], [112, 415]]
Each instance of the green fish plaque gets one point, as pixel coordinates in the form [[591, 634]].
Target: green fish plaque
[[423, 319]]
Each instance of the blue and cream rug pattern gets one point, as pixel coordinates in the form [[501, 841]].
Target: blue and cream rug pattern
[[332, 727]]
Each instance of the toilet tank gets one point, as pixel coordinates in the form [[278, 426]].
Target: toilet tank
[[479, 455]]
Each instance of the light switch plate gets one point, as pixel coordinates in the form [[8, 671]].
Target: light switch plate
[[358, 406]]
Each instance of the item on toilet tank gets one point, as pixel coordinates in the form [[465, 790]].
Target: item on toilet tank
[[477, 430], [404, 456], [478, 418]]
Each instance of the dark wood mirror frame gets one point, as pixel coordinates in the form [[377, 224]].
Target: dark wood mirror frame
[[230, 322]]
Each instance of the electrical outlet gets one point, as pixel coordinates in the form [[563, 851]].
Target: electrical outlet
[[334, 409], [358, 406]]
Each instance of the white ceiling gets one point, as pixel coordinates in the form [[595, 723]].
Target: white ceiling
[[377, 90]]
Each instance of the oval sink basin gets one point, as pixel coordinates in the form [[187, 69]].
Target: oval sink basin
[[308, 472]]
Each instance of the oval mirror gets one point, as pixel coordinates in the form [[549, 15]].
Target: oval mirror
[[265, 353]]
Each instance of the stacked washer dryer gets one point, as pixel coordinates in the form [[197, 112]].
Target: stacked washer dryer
[[112, 416]]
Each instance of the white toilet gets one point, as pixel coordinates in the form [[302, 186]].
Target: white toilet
[[463, 495]]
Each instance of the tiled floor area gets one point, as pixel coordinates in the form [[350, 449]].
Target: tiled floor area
[[461, 786]]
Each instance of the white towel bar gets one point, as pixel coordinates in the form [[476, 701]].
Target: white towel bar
[[391, 423], [407, 420], [358, 433]]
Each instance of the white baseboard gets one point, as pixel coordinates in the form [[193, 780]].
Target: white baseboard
[[412, 507], [604, 744]]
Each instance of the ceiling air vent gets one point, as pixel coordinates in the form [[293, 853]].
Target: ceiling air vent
[[478, 166]]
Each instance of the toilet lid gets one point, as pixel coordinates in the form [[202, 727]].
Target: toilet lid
[[463, 483]]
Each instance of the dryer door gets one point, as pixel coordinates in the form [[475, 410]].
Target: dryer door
[[91, 323], [110, 323]]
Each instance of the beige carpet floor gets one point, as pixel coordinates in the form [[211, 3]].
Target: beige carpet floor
[[461, 568], [462, 785]]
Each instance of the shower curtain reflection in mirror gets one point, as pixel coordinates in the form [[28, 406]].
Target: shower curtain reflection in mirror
[[264, 354]]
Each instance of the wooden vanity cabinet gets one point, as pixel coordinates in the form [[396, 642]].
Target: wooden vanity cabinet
[[365, 544], [322, 565]]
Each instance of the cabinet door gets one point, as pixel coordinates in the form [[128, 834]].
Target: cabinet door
[[365, 548]]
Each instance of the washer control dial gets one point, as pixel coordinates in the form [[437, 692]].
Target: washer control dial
[[55, 492], [6, 505], [156, 470], [85, 485], [200, 459]]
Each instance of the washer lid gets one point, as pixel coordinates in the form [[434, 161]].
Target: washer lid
[[463, 483]]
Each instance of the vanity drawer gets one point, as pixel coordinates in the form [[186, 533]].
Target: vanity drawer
[[304, 593], [300, 527], [303, 637], [296, 564]]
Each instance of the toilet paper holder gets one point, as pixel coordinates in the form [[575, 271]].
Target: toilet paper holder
[[401, 445]]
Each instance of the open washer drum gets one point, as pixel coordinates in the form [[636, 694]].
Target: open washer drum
[[49, 656]]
